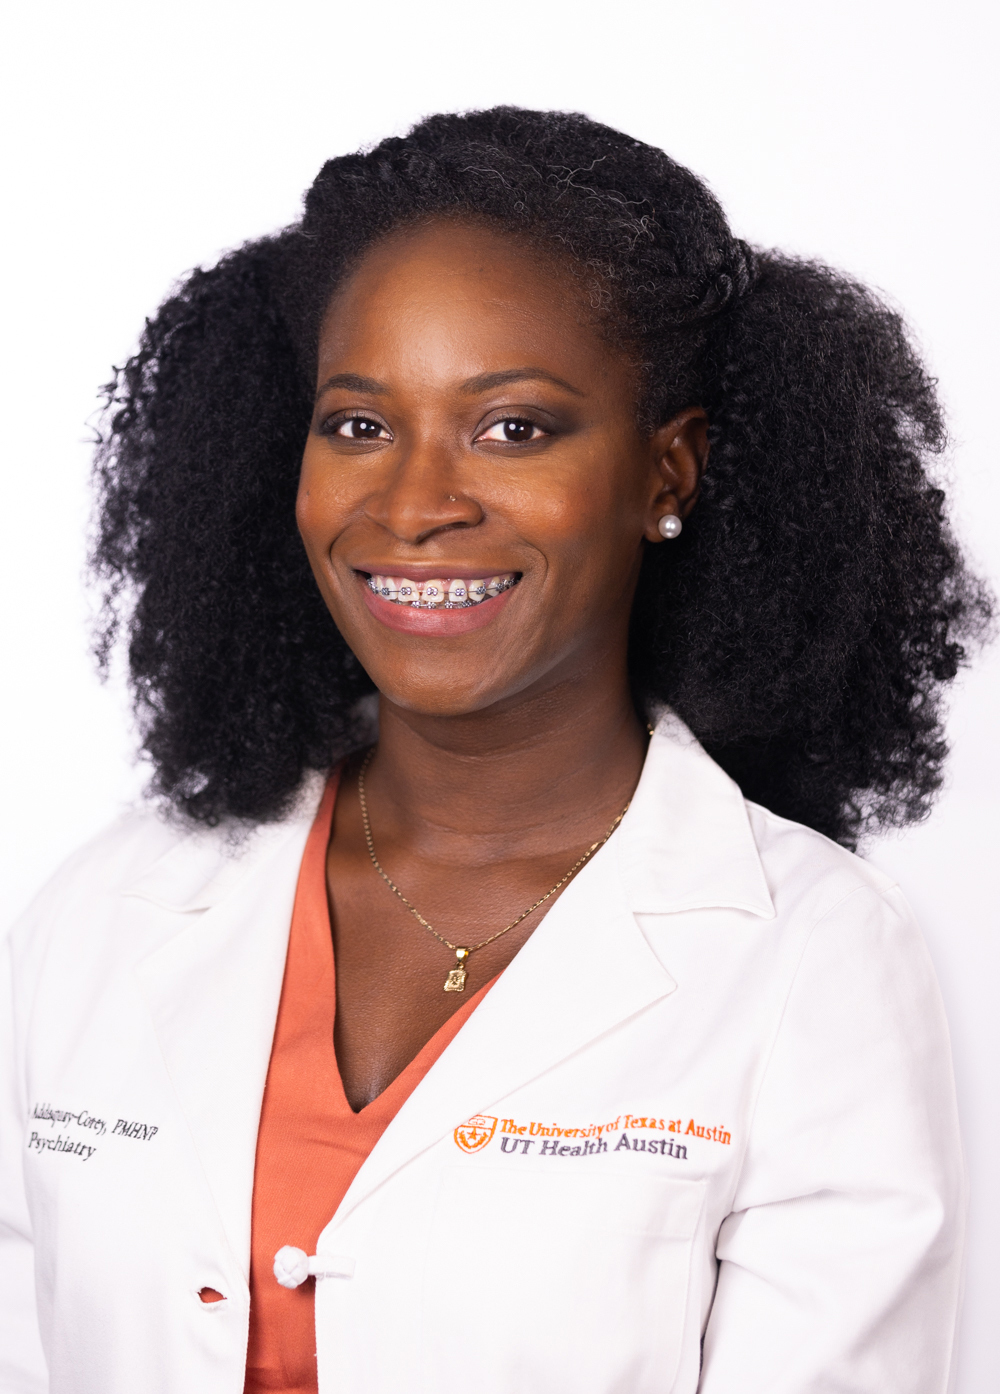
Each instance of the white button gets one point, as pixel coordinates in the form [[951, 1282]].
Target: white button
[[293, 1266]]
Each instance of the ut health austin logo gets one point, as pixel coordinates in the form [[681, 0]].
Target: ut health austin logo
[[476, 1132]]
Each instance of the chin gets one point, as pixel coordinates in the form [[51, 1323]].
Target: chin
[[432, 699], [451, 688]]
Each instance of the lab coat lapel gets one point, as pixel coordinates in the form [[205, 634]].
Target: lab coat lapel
[[212, 991], [586, 968]]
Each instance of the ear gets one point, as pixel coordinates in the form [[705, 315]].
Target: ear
[[678, 455]]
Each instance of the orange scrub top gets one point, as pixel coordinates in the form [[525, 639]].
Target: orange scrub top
[[311, 1144]]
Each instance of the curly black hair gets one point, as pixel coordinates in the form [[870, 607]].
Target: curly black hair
[[803, 625]]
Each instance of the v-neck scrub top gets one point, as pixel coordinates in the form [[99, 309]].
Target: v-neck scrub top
[[311, 1143]]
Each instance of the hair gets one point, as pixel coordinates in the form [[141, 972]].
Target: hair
[[803, 625]]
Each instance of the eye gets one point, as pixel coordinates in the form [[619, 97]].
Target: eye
[[359, 428], [516, 430]]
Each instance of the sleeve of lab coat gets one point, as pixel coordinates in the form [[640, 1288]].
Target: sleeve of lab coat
[[22, 1363], [841, 1261]]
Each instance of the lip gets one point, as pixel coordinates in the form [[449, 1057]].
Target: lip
[[407, 619], [431, 571]]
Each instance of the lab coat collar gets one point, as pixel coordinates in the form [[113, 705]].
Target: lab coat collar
[[204, 866], [686, 841], [685, 844]]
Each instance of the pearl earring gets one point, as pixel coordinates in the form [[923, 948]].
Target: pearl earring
[[669, 526]]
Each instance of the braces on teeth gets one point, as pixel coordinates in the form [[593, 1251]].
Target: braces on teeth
[[439, 594]]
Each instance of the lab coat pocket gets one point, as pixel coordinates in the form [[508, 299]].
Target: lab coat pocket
[[538, 1281]]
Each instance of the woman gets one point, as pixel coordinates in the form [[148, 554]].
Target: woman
[[530, 1031]]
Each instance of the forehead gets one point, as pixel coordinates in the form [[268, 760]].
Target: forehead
[[457, 298]]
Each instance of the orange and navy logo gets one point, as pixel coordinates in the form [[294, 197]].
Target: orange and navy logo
[[476, 1132]]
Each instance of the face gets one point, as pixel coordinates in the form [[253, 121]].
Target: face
[[475, 490]]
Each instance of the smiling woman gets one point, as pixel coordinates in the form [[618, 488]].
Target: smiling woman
[[629, 531]]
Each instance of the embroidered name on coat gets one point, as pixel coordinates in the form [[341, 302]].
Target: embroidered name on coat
[[91, 1126], [628, 1132]]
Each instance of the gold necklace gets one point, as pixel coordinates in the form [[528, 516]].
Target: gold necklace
[[455, 981]]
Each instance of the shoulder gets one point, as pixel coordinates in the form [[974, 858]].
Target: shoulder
[[859, 954], [861, 998], [809, 875], [123, 849], [691, 841], [150, 856]]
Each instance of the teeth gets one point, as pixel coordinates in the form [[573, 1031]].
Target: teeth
[[430, 595], [434, 592]]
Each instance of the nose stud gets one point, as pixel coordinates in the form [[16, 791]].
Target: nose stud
[[669, 526], [452, 498]]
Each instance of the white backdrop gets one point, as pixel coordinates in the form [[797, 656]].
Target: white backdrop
[[141, 139]]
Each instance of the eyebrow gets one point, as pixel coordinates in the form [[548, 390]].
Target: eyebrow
[[485, 382], [353, 383]]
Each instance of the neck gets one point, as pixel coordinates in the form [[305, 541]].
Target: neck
[[551, 764]]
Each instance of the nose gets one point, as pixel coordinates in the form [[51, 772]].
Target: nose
[[423, 496]]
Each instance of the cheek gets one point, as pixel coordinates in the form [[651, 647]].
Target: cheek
[[320, 507], [594, 509], [309, 519]]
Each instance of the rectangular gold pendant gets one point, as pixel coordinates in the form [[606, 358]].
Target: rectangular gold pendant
[[455, 981]]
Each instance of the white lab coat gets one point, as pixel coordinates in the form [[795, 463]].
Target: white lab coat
[[700, 1135]]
